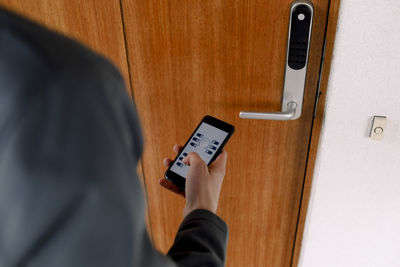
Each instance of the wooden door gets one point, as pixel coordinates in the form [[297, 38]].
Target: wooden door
[[189, 58]]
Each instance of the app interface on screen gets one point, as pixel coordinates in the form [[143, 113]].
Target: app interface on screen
[[205, 141]]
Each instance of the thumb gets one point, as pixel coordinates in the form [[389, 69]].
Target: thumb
[[220, 163], [194, 160]]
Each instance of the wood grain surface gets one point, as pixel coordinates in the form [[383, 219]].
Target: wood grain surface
[[192, 58]]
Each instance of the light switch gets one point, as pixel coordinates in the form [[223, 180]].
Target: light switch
[[378, 128]]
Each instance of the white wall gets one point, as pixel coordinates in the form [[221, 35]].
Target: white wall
[[354, 213]]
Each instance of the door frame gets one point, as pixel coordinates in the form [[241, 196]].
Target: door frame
[[330, 32]]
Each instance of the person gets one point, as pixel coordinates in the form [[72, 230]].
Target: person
[[70, 141]]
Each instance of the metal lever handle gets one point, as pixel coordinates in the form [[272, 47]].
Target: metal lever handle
[[300, 25], [279, 116]]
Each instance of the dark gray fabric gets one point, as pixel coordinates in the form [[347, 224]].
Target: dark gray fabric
[[70, 141]]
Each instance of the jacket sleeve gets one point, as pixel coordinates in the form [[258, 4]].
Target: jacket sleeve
[[201, 240]]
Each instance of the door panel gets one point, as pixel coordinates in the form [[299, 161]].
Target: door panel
[[192, 58], [96, 23]]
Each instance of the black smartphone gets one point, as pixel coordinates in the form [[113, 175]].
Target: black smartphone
[[208, 140]]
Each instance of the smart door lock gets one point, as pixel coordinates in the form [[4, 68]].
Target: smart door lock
[[300, 26], [299, 37]]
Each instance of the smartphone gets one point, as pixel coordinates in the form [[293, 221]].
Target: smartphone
[[208, 140]]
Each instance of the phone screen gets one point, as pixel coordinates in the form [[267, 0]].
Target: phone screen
[[205, 141]]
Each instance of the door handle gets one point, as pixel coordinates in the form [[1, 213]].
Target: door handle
[[300, 26], [288, 114]]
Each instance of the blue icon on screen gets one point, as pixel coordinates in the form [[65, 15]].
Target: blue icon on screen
[[214, 142], [193, 144], [180, 164], [213, 147], [208, 151], [195, 139], [199, 135]]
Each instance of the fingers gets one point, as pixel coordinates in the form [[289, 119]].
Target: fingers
[[193, 159], [167, 184], [171, 187], [177, 148], [220, 162], [167, 161]]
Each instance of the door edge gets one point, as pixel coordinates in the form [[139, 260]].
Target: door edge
[[332, 18]]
